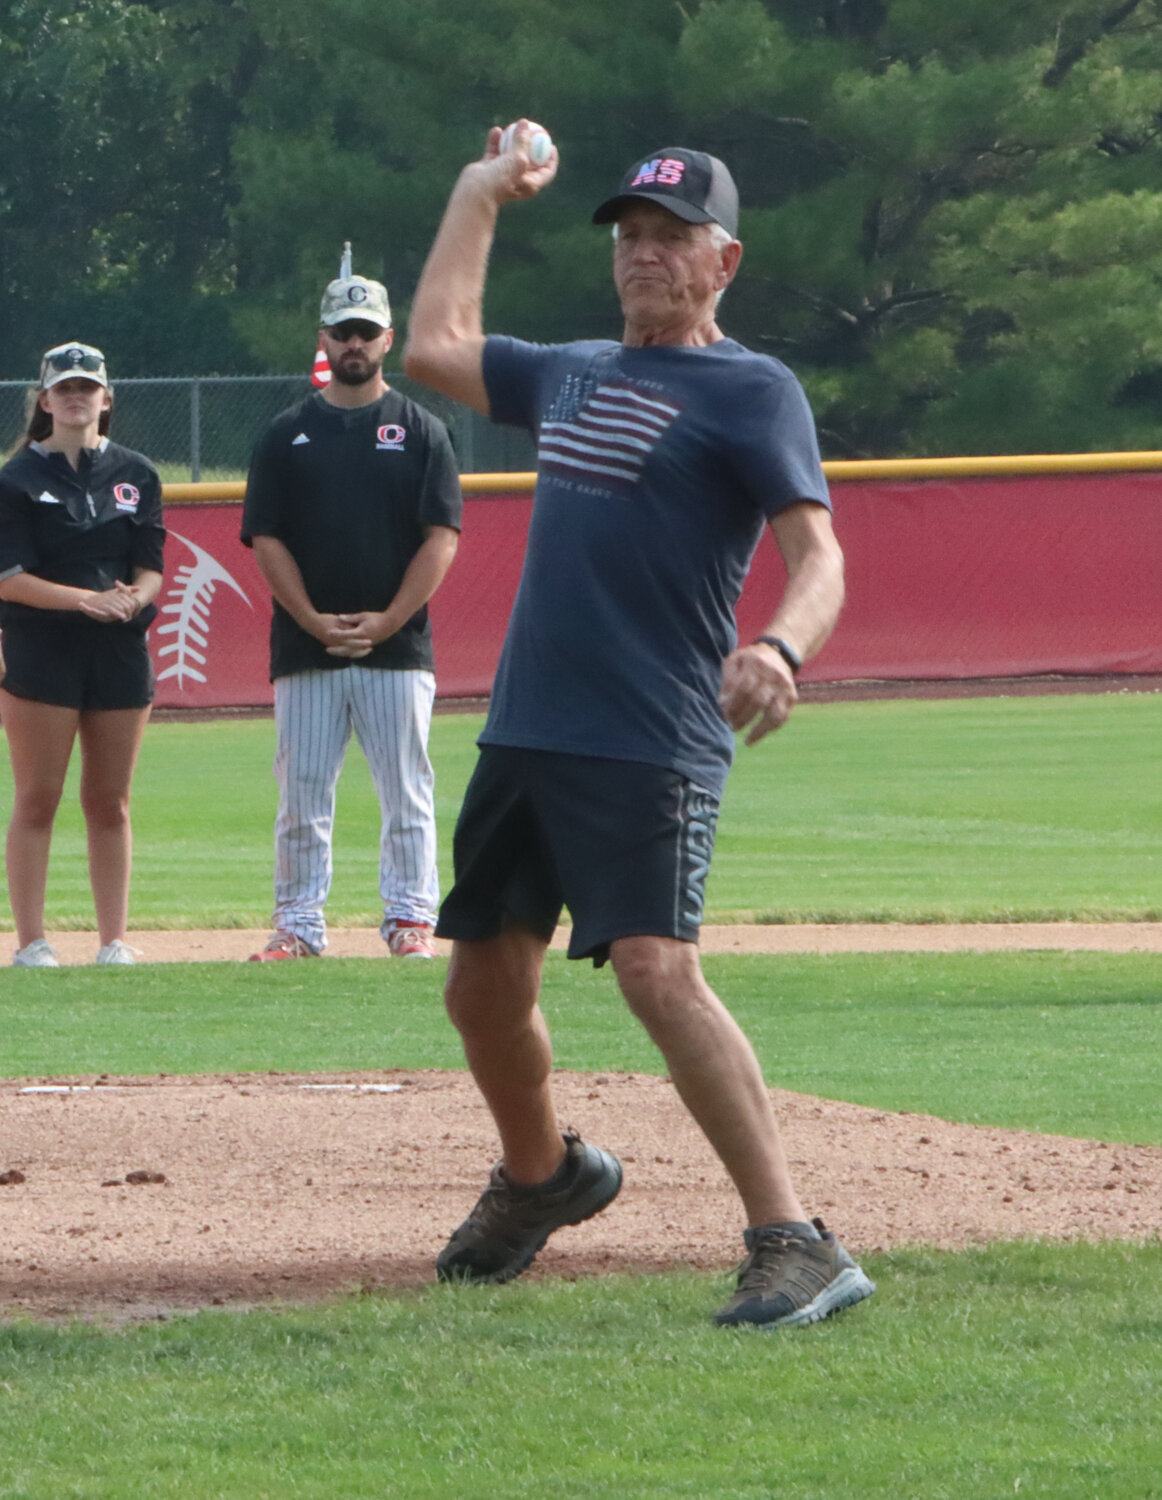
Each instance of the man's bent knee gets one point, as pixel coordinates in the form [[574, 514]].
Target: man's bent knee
[[657, 974], [493, 982]]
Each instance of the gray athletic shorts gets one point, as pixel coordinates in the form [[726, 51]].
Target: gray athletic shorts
[[625, 846]]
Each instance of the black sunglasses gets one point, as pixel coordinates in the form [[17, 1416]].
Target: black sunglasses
[[75, 359], [352, 328]]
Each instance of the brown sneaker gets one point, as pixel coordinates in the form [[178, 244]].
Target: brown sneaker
[[283, 945], [788, 1280], [500, 1238]]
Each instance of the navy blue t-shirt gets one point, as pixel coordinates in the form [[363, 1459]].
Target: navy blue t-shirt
[[657, 468]]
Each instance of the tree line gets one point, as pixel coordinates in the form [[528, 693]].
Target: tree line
[[952, 215]]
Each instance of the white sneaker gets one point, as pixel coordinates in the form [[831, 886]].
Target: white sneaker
[[118, 952], [39, 954]]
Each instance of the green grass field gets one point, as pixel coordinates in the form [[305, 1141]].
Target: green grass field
[[1046, 1041], [964, 1374], [994, 809], [981, 809], [1013, 1371], [1019, 1369]]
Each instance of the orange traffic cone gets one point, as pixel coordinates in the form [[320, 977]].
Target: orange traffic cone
[[321, 370]]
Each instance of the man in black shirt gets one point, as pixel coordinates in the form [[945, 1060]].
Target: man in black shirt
[[353, 510]]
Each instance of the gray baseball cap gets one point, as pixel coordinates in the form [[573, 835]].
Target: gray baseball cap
[[72, 361], [692, 185], [355, 297]]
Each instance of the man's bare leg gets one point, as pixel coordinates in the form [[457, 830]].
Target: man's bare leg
[[491, 997], [547, 1182], [713, 1067]]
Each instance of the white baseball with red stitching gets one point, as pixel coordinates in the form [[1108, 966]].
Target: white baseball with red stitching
[[540, 143]]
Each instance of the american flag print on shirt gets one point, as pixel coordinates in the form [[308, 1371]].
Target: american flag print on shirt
[[603, 437]]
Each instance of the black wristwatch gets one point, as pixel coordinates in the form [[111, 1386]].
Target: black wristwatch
[[788, 653]]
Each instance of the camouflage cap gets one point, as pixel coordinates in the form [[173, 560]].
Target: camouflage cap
[[70, 361], [355, 297]]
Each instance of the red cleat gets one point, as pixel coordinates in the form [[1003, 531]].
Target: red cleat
[[283, 945], [411, 941]]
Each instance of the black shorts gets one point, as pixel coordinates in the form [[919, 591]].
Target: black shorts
[[80, 664], [625, 846]]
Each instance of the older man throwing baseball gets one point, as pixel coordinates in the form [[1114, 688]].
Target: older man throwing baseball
[[608, 740]]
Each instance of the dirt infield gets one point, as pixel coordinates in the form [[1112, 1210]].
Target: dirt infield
[[866, 937], [135, 1197]]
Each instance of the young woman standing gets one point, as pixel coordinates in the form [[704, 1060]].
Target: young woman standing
[[81, 539]]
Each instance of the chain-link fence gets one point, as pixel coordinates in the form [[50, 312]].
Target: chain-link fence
[[204, 428]]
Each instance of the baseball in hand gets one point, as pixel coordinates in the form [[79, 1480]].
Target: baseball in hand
[[540, 143]]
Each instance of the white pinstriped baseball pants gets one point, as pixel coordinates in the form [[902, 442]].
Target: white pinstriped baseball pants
[[391, 714]]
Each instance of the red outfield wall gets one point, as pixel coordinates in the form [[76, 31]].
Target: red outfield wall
[[955, 578]]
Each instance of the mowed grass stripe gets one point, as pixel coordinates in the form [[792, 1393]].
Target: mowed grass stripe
[[971, 810], [1066, 1043], [1020, 1369], [996, 809]]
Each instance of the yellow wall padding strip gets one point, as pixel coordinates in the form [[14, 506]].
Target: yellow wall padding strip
[[837, 472]]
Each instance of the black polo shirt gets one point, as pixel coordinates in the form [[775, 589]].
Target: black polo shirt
[[86, 527], [349, 493]]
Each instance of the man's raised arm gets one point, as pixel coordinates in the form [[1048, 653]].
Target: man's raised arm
[[445, 342]]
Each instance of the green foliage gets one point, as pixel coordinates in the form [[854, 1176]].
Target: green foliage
[[951, 213], [113, 189], [965, 147]]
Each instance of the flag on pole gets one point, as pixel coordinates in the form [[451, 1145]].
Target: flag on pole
[[321, 370]]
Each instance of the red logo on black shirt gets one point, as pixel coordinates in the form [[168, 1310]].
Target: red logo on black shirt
[[127, 496], [391, 437]]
